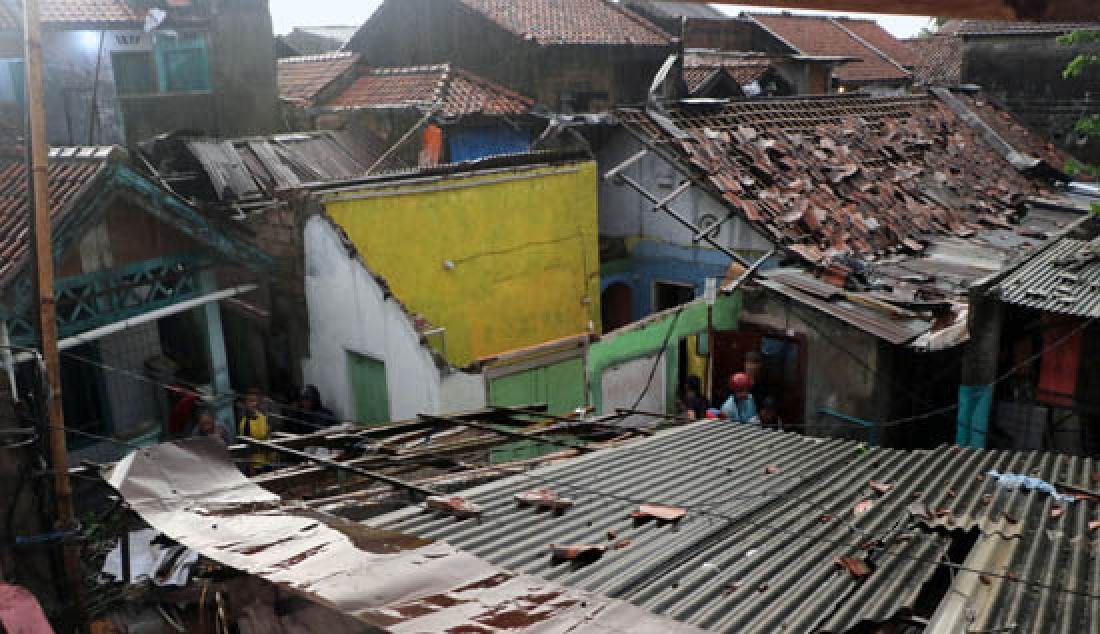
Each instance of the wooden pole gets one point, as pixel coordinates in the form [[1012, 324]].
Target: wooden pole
[[39, 203]]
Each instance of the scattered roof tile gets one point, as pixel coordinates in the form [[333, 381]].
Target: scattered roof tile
[[455, 92], [939, 60], [1015, 133], [821, 35], [302, 78], [846, 176], [550, 22], [71, 170], [996, 27]]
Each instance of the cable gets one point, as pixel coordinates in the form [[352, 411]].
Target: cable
[[703, 509], [660, 354]]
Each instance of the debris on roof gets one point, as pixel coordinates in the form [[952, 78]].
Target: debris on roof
[[1063, 278], [454, 505], [755, 556], [448, 91], [302, 78], [565, 22], [544, 498], [659, 512]]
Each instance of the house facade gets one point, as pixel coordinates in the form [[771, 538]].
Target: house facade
[[570, 56], [117, 71], [140, 278]]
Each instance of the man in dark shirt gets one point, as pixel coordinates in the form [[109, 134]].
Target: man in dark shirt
[[754, 367]]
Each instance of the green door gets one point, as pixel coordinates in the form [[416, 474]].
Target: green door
[[368, 384], [560, 386]]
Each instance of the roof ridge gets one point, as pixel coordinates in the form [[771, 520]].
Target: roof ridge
[[867, 44], [317, 57]]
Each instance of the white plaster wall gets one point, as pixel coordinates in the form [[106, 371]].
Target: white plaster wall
[[622, 383], [348, 311], [462, 392], [625, 213]]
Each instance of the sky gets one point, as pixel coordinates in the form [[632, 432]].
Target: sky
[[291, 13]]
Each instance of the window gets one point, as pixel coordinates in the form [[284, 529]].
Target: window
[[181, 63], [670, 295], [134, 73], [11, 81], [177, 63]]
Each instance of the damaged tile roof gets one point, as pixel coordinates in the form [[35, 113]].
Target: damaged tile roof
[[1015, 133], [743, 68], [71, 172], [938, 60], [822, 35], [855, 176], [563, 22], [452, 91], [787, 533], [996, 27], [302, 78], [61, 13]]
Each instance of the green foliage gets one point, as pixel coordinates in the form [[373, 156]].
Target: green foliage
[[1090, 125]]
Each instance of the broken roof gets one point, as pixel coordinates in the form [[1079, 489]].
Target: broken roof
[[844, 176], [442, 88], [1062, 278], [72, 170], [302, 78], [997, 27], [823, 35], [565, 22], [781, 532], [938, 59], [743, 67]]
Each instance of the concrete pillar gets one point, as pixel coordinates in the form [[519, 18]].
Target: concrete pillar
[[979, 368], [222, 391]]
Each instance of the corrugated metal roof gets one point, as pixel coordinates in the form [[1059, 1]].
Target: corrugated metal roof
[[768, 514], [829, 299], [1064, 278]]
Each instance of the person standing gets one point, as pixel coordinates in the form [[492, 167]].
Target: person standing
[[209, 427], [254, 424], [308, 414], [694, 405], [754, 368], [740, 406]]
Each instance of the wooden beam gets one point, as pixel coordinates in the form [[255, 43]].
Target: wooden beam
[[1033, 10]]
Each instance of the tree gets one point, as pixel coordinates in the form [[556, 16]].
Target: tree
[[1089, 125]]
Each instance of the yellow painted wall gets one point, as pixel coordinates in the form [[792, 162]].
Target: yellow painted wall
[[523, 243]]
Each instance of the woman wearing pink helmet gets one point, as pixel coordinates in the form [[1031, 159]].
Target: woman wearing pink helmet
[[740, 407]]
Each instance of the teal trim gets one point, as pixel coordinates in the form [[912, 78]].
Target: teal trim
[[646, 338], [182, 62], [872, 434]]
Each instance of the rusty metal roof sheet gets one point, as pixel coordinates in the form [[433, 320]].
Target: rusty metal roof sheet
[[805, 289], [1064, 278], [193, 492], [767, 515]]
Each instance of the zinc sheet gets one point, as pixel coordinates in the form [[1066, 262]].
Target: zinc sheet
[[768, 514], [1046, 283]]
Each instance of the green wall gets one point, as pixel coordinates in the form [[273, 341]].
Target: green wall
[[559, 385], [647, 338]]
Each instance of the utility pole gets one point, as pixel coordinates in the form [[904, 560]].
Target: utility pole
[[39, 204]]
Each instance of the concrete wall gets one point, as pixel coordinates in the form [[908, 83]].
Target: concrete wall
[[502, 259], [350, 312], [847, 369], [133, 404], [1025, 75]]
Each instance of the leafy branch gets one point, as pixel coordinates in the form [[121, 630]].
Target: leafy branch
[[1089, 125]]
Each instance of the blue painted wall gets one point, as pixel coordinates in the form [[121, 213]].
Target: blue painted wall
[[652, 262], [467, 144]]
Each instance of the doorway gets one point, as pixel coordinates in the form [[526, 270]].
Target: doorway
[[616, 306], [670, 295], [369, 389]]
